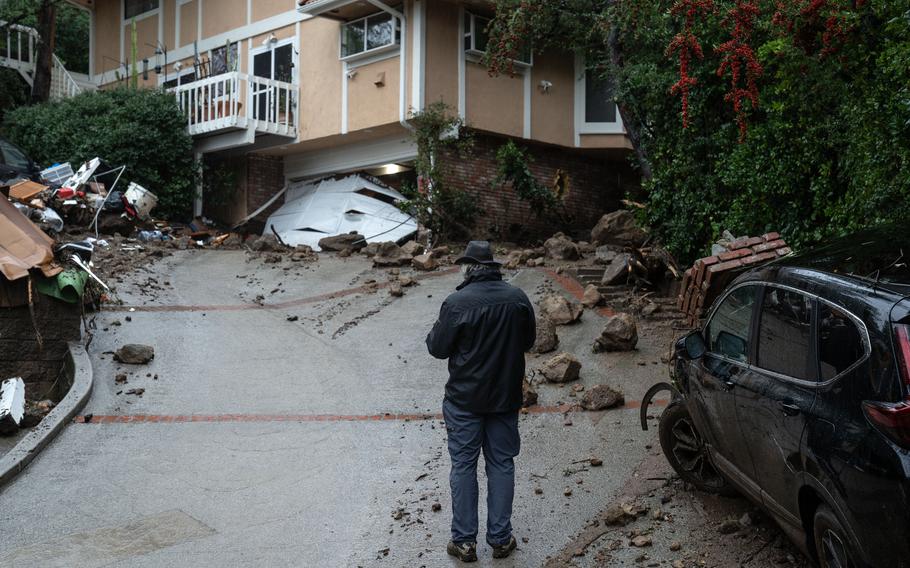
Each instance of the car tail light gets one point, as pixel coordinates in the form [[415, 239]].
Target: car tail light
[[893, 418]]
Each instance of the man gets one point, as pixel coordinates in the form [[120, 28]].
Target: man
[[484, 330]]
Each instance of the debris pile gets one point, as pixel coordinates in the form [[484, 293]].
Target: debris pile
[[709, 276]]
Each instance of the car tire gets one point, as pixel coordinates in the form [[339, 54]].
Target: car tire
[[834, 547], [684, 448]]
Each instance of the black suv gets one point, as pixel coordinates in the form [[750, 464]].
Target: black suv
[[796, 391], [15, 164]]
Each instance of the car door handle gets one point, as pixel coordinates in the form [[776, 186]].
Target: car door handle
[[729, 384], [789, 409]]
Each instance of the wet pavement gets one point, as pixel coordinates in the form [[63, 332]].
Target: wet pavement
[[291, 418]]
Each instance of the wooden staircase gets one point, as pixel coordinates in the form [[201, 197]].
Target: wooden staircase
[[18, 51]]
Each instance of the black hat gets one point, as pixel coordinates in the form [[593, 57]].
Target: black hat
[[478, 252]]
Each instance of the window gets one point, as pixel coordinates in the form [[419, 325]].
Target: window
[[599, 104], [784, 333], [13, 157], [476, 38], [371, 33], [729, 329], [133, 8], [840, 344]]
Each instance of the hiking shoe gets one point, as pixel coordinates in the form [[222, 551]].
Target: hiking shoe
[[504, 550], [466, 551]]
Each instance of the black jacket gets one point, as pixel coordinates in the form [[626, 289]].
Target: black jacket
[[484, 330]]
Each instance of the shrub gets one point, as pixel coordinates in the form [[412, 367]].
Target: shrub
[[142, 129]]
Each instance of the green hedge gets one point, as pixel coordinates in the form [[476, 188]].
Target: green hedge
[[142, 129]]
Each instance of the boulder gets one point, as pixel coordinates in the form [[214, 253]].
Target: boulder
[[559, 310], [592, 297], [135, 354], [561, 247], [337, 243], [617, 271], [528, 394], [412, 248], [605, 254], [266, 243], [370, 250], [440, 251], [618, 228], [390, 254], [619, 334], [601, 397], [424, 262], [562, 368], [547, 340]]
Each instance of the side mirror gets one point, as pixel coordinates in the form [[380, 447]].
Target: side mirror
[[692, 346]]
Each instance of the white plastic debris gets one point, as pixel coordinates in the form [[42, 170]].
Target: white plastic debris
[[12, 404]]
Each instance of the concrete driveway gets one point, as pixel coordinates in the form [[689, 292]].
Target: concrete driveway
[[290, 418]]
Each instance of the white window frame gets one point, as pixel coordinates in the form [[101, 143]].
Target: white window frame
[[581, 126], [179, 76], [138, 17], [394, 46], [474, 54]]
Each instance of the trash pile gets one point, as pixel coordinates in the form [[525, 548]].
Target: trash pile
[[730, 256]]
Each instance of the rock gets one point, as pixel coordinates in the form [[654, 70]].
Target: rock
[[424, 262], [273, 258], [390, 254], [370, 250], [266, 243], [567, 491], [547, 340], [592, 297], [617, 516], [407, 281], [617, 271], [746, 520], [604, 254], [395, 289], [561, 247], [345, 253], [641, 541], [650, 309], [679, 564], [559, 310], [120, 378], [412, 248], [338, 243], [234, 241], [562, 368], [533, 262], [136, 392], [596, 462], [619, 334], [601, 397], [135, 354], [618, 228], [440, 252], [528, 394], [436, 507], [675, 546], [729, 526]]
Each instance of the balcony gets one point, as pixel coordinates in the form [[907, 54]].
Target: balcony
[[237, 101]]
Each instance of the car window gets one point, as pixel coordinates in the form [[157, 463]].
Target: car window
[[728, 331], [784, 333], [840, 344], [13, 157]]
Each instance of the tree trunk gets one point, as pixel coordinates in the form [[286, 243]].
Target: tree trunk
[[44, 59], [633, 129]]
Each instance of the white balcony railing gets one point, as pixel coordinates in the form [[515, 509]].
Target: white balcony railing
[[18, 50], [232, 101]]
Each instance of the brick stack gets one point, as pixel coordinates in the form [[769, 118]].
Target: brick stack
[[709, 276]]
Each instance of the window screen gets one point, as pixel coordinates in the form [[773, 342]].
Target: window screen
[[133, 8], [729, 328], [840, 344], [599, 105], [784, 333]]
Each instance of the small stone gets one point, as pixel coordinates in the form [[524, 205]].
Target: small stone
[[116, 322], [745, 520], [617, 515], [120, 378], [567, 492], [529, 394], [344, 253], [679, 564], [596, 462], [424, 262], [395, 289], [675, 546], [538, 491], [293, 318], [562, 368], [135, 354], [136, 392], [729, 526], [559, 310], [547, 339], [592, 297], [524, 539], [436, 507], [602, 397], [641, 541], [407, 281], [650, 309], [412, 248]]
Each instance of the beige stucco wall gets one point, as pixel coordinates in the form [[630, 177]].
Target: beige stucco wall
[[552, 113], [495, 104], [267, 8], [608, 141], [222, 16], [320, 79], [371, 105], [107, 41], [441, 82], [146, 40], [189, 22]]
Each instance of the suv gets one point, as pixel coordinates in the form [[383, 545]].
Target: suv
[[14, 164], [796, 391]]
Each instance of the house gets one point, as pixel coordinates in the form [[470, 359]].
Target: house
[[278, 90]]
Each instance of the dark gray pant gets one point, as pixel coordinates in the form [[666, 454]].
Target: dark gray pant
[[497, 435]]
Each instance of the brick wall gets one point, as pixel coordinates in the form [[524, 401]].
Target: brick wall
[[597, 183], [38, 363], [264, 178]]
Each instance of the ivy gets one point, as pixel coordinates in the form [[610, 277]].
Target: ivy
[[513, 168]]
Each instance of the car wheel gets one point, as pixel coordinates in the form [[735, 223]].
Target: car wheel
[[684, 448], [835, 550]]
